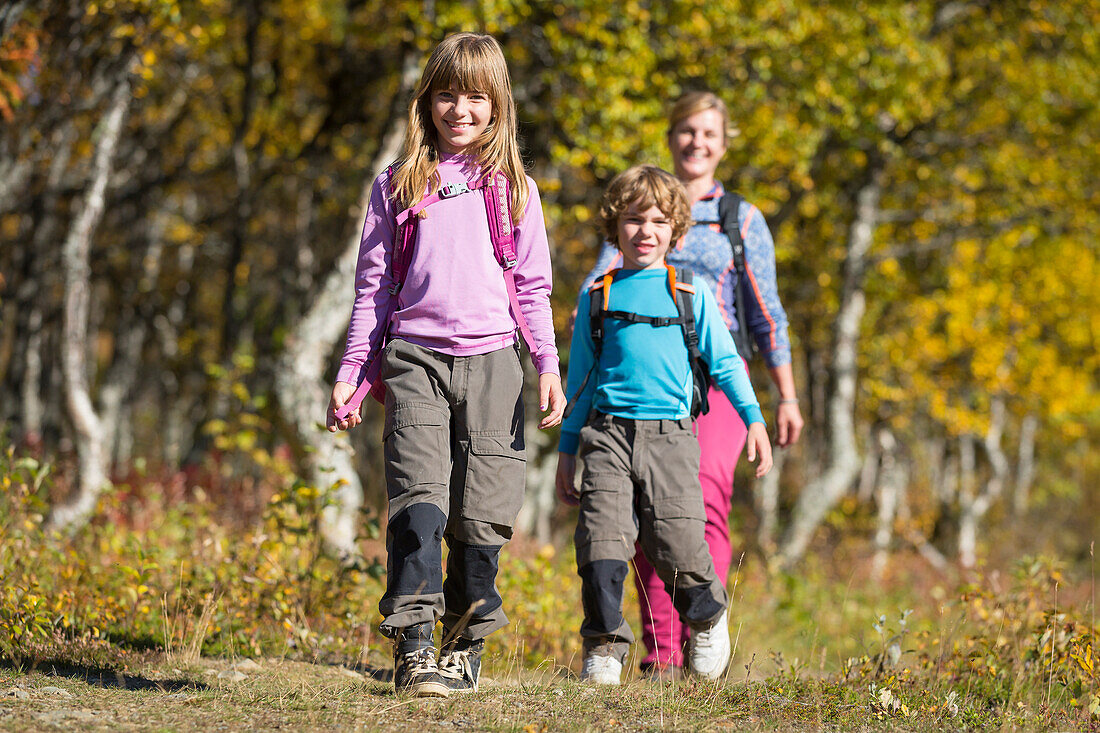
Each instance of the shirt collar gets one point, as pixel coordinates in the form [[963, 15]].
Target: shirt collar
[[715, 192]]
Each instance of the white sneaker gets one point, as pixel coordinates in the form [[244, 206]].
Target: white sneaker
[[601, 670], [709, 649]]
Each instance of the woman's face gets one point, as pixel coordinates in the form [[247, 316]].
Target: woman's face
[[697, 144]]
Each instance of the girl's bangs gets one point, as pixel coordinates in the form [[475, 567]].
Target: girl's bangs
[[468, 72]]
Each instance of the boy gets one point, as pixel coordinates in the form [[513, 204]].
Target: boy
[[633, 398]]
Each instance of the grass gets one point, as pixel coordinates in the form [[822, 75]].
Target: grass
[[136, 620]]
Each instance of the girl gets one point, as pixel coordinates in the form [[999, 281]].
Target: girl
[[435, 318]]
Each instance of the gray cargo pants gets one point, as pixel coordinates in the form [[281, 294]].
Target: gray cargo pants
[[641, 482], [455, 470]]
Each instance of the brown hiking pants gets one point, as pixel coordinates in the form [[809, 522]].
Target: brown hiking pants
[[455, 470], [641, 483]]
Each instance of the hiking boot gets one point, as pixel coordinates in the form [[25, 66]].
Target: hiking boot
[[415, 671], [657, 672], [709, 649], [460, 665], [602, 665]]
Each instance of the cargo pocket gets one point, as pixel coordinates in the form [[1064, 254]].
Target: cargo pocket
[[496, 476], [680, 507], [679, 531], [416, 445]]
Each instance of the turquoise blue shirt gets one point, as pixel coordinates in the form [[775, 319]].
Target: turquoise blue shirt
[[643, 372]]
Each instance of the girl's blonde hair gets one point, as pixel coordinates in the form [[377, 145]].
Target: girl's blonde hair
[[644, 186], [690, 103], [469, 62]]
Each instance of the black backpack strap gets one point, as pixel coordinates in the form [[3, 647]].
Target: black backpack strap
[[700, 371], [596, 313], [728, 208]]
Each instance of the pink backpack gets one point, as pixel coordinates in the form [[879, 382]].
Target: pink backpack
[[495, 191]]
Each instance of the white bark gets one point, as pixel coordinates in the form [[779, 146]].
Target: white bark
[[1025, 463], [299, 382], [32, 410], [890, 493], [92, 458], [843, 464], [117, 392], [975, 504], [766, 498], [868, 475], [542, 463], [117, 388], [46, 234], [968, 519]]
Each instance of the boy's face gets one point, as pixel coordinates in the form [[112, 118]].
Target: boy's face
[[644, 237]]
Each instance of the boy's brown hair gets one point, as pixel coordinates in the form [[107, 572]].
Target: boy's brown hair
[[644, 186]]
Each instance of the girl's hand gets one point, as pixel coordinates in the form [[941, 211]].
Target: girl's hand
[[341, 393], [759, 445], [563, 480], [552, 397]]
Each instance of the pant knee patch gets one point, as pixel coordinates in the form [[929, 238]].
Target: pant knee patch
[[414, 544], [696, 604], [471, 577], [602, 594]]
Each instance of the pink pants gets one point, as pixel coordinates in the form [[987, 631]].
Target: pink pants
[[722, 437]]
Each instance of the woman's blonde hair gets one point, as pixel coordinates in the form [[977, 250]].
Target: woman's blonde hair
[[644, 186], [690, 103], [469, 62]]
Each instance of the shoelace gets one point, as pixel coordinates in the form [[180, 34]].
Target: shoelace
[[703, 637], [455, 664], [422, 661]]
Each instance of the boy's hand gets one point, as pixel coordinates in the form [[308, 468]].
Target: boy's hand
[[551, 397], [759, 445], [341, 393], [563, 480]]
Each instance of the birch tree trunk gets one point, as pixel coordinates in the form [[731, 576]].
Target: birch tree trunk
[[37, 281], [868, 475], [299, 381], [1025, 464], [117, 392], [766, 499], [968, 520], [890, 491], [91, 453], [542, 463], [843, 463], [973, 505]]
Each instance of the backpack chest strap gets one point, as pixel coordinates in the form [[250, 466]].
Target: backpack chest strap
[[631, 317]]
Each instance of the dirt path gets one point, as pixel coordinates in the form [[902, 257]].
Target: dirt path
[[285, 695]]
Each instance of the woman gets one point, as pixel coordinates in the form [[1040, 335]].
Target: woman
[[698, 128]]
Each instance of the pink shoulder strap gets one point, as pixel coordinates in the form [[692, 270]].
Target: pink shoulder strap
[[498, 211]]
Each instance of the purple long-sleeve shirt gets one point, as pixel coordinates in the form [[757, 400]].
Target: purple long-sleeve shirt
[[454, 299]]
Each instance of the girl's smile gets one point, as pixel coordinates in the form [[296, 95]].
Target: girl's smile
[[460, 117]]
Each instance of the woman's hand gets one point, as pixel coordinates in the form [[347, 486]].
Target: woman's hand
[[759, 445], [788, 423], [552, 398], [341, 393], [563, 480]]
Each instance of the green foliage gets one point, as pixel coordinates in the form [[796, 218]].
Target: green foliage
[[1009, 649]]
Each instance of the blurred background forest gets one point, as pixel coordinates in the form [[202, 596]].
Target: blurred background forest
[[181, 193]]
